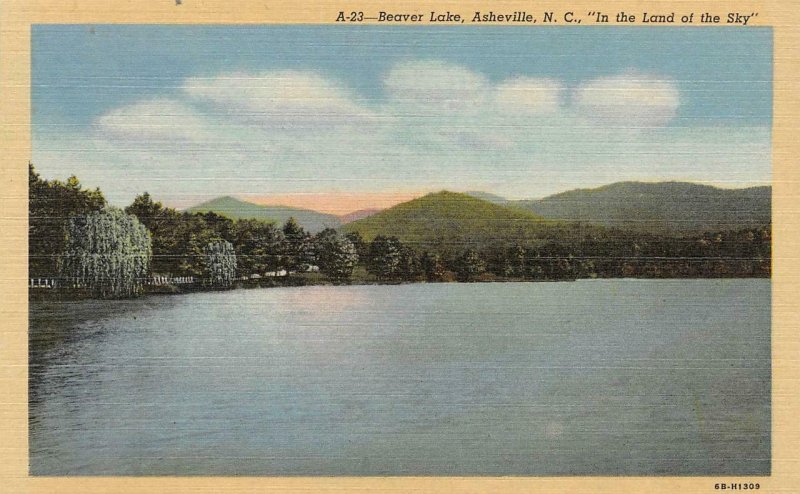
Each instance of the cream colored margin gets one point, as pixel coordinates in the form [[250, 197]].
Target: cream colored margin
[[15, 20]]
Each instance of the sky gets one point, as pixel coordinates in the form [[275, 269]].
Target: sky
[[341, 118]]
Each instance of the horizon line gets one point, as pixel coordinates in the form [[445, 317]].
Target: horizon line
[[338, 203]]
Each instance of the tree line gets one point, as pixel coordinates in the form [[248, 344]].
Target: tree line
[[619, 254], [75, 235]]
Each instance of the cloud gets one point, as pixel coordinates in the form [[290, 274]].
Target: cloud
[[438, 125], [280, 99], [631, 99], [435, 86], [155, 120], [529, 95], [443, 107]]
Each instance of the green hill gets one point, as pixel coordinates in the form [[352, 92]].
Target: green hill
[[665, 207], [233, 208], [451, 222]]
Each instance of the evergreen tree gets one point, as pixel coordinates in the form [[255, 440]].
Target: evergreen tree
[[299, 250]]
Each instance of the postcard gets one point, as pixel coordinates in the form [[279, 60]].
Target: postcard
[[506, 248]]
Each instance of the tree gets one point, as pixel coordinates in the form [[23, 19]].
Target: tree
[[517, 260], [192, 235], [164, 225], [259, 246], [384, 257], [497, 260], [336, 255], [432, 266], [51, 205], [220, 263], [149, 212], [409, 268], [222, 226], [299, 251], [108, 252], [362, 248], [469, 266]]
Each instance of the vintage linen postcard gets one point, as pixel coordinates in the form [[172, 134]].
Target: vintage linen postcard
[[473, 248]]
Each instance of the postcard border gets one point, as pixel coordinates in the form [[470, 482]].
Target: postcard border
[[16, 18]]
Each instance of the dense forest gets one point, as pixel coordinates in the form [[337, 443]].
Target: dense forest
[[78, 239]]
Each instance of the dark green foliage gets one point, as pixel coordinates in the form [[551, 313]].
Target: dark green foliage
[[182, 245], [507, 262], [362, 248], [517, 245], [164, 225], [180, 239], [410, 268], [516, 264], [260, 247], [432, 266], [223, 226], [335, 254], [621, 253], [432, 238], [470, 266], [52, 204], [193, 235], [299, 249], [384, 258]]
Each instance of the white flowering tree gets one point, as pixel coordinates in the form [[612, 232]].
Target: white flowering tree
[[220, 262], [108, 252]]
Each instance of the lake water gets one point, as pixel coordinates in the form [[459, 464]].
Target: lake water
[[601, 377]]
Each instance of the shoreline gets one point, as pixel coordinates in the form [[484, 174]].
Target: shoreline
[[74, 294]]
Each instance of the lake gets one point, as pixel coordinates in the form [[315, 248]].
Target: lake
[[594, 377]]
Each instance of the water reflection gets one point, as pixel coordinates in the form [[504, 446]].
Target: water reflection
[[491, 379]]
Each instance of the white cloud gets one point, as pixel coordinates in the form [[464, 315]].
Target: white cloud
[[529, 95], [631, 99], [283, 99], [435, 86], [155, 119]]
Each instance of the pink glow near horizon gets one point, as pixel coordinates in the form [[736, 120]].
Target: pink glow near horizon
[[337, 203]]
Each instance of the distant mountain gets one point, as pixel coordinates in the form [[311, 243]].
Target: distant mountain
[[664, 207], [487, 196], [233, 208], [481, 218], [450, 222], [357, 215]]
